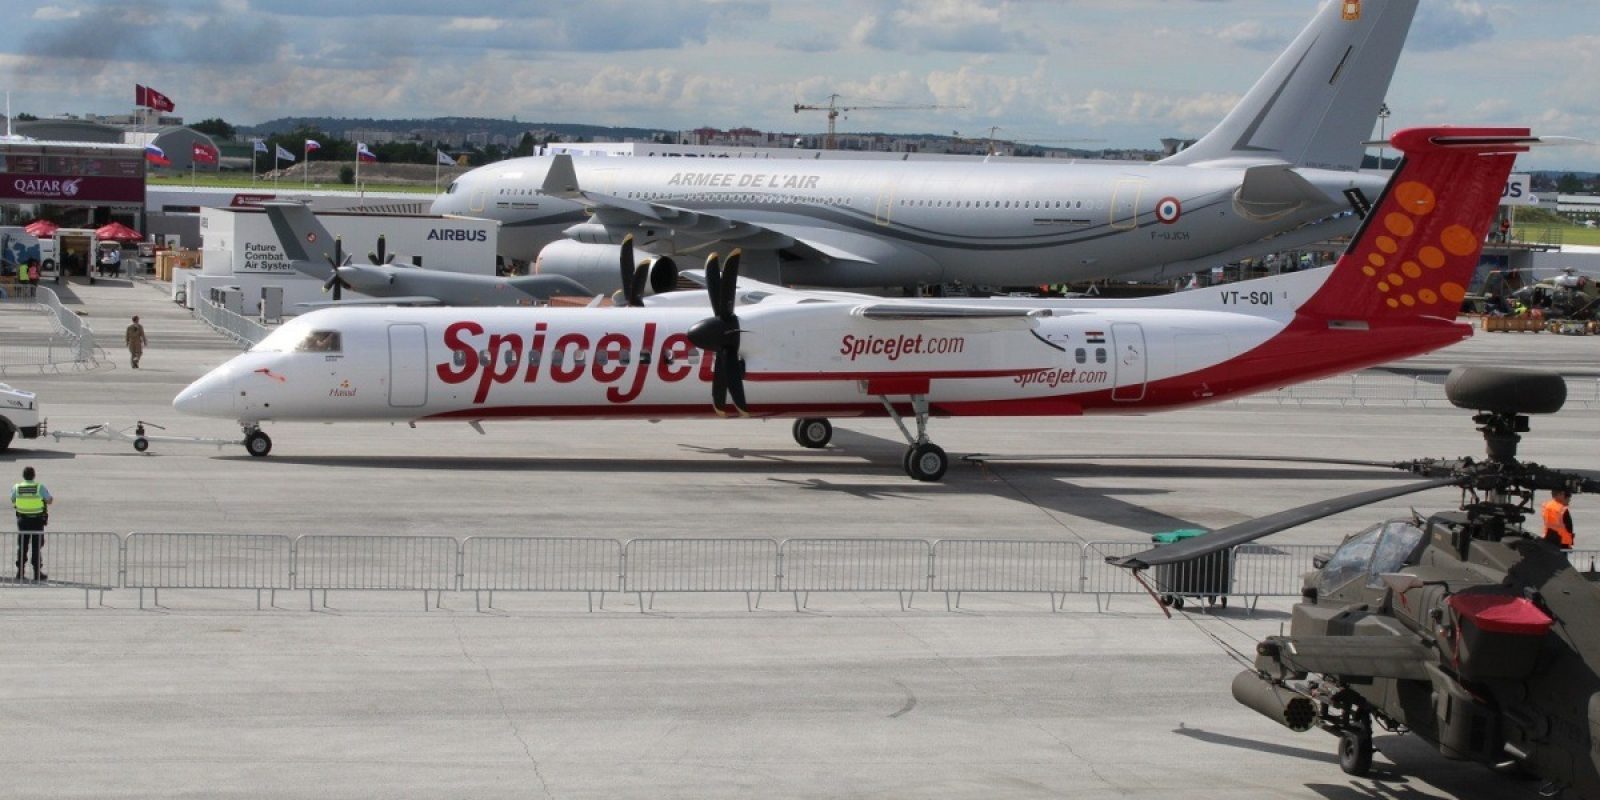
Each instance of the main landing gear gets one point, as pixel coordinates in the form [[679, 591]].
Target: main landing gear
[[924, 461], [256, 443]]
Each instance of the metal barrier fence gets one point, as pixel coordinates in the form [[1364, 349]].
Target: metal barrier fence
[[387, 563], [902, 566], [156, 561], [975, 565], [237, 327], [749, 566], [88, 561], [530, 564], [264, 562], [71, 342]]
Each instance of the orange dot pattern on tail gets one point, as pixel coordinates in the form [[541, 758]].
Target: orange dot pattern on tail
[[1406, 279]]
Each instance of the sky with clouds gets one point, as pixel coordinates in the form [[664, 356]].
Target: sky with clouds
[[1122, 74]]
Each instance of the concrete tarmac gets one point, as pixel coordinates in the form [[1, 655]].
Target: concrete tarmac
[[373, 697]]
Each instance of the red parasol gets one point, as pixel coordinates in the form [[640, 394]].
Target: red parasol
[[41, 228], [117, 232]]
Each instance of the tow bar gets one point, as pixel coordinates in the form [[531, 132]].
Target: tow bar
[[137, 435]]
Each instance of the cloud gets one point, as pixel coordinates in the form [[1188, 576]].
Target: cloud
[[1448, 24], [952, 26], [1253, 35]]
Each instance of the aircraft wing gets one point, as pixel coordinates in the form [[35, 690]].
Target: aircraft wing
[[621, 212], [1400, 657]]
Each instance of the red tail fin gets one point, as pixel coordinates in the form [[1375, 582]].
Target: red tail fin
[[1419, 247]]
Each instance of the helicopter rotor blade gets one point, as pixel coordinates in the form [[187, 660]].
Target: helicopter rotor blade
[[1244, 532]]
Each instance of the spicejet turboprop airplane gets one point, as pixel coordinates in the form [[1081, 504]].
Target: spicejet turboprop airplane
[[1285, 157], [813, 355]]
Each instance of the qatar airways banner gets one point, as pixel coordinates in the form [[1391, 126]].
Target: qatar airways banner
[[71, 189]]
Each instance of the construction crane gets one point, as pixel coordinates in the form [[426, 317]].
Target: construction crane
[[834, 110]]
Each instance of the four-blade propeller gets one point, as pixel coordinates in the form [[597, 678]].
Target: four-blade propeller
[[719, 334], [335, 281]]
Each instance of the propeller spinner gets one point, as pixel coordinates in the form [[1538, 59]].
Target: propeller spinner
[[719, 334]]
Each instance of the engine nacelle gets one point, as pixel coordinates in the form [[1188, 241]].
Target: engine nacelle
[[599, 266]]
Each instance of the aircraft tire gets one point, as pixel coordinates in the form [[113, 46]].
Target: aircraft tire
[[926, 462], [258, 444], [813, 432], [141, 444], [1355, 752]]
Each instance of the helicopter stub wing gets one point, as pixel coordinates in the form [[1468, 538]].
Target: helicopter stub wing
[[1398, 657]]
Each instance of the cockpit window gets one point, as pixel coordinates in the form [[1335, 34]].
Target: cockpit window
[[319, 342], [1385, 547], [452, 189], [1400, 540], [1350, 560]]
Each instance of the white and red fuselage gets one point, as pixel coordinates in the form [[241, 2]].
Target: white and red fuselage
[[1394, 293]]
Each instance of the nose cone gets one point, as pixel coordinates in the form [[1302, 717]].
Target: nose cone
[[211, 396]]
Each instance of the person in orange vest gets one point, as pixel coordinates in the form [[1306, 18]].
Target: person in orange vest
[[1558, 519]]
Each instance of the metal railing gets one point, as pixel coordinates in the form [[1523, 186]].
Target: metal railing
[[383, 563], [156, 561], [1387, 389], [975, 565], [749, 566], [492, 564], [247, 332], [70, 343], [436, 564], [902, 566]]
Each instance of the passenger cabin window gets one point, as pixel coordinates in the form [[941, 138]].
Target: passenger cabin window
[[319, 342], [1099, 355], [1082, 356]]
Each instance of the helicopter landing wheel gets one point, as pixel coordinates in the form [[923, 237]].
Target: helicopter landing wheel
[[1355, 751]]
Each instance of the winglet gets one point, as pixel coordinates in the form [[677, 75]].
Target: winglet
[[562, 179]]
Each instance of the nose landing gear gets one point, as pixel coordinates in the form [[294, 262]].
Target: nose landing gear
[[256, 443]]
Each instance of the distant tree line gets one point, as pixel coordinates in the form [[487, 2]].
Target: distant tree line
[[405, 152]]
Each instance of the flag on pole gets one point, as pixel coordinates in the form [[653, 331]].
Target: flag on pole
[[156, 156], [312, 146], [150, 98], [441, 158], [203, 154], [284, 155], [363, 154], [260, 146]]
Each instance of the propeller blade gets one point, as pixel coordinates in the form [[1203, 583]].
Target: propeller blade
[[736, 378], [641, 276], [730, 284], [626, 265], [714, 283], [337, 260], [382, 256], [1234, 535], [719, 387]]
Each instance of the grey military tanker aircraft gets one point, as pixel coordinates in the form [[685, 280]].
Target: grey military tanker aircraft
[[1280, 171], [317, 253]]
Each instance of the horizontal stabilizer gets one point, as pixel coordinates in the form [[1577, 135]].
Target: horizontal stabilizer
[[546, 286]]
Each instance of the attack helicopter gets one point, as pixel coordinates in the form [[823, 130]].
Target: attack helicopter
[[1459, 627]]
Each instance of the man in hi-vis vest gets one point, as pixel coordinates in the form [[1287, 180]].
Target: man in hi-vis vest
[[32, 502], [1558, 519]]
